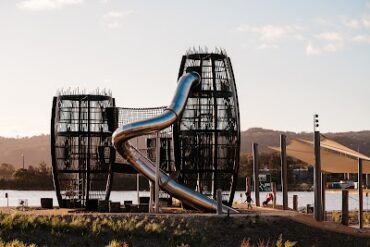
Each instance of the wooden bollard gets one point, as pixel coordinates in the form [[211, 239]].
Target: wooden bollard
[[219, 201], [309, 209], [103, 206], [344, 207], [295, 202]]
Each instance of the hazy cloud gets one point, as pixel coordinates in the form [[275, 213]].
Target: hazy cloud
[[330, 36], [37, 5], [322, 35], [272, 33], [352, 23], [312, 50], [118, 14], [365, 38], [113, 19], [267, 46], [366, 22], [113, 25], [113, 14]]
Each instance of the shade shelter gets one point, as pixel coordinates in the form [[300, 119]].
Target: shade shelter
[[335, 157]]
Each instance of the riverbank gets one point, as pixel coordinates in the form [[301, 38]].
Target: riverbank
[[333, 198], [71, 228]]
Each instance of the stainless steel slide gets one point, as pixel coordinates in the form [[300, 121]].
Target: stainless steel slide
[[145, 166]]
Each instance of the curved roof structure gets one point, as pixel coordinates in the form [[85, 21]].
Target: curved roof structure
[[335, 157]]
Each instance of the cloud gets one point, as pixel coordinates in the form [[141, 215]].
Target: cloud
[[37, 5], [330, 36], [366, 22], [272, 33], [118, 14], [352, 23], [364, 38], [267, 46], [312, 50], [113, 25], [113, 14], [113, 19]]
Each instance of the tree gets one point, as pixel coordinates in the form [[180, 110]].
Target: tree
[[6, 170]]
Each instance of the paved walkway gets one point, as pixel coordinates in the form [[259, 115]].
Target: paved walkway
[[306, 219]]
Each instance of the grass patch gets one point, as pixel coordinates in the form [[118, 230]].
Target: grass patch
[[169, 230]]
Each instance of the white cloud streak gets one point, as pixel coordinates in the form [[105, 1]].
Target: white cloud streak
[[273, 33], [267, 46], [118, 14], [366, 22], [362, 39], [312, 50], [38, 5], [330, 36], [352, 23], [113, 19]]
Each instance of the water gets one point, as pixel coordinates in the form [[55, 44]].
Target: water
[[333, 198]]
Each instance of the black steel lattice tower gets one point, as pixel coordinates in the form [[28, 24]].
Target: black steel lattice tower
[[81, 147], [207, 136]]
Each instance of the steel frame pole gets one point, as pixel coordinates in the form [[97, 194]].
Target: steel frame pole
[[255, 174], [360, 195], [317, 178], [284, 171], [157, 159]]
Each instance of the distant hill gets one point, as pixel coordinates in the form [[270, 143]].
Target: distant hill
[[37, 148], [266, 137]]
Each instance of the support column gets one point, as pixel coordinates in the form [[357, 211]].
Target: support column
[[284, 171], [323, 187], [360, 195], [317, 178], [219, 201], [255, 174], [157, 174], [295, 202], [151, 198], [138, 187], [345, 214]]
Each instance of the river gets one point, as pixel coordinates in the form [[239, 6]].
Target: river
[[333, 198]]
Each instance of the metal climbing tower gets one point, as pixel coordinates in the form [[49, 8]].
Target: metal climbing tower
[[207, 136]]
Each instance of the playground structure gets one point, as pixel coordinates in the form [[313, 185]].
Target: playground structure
[[199, 137], [81, 147]]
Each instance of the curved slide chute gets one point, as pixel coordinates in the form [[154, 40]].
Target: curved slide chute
[[144, 166]]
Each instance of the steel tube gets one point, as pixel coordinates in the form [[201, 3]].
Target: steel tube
[[145, 166]]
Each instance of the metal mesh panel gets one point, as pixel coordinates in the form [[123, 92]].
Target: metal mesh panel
[[146, 144]]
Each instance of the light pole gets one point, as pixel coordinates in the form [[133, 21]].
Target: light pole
[[23, 160], [317, 171]]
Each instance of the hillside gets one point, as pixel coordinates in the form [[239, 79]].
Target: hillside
[[266, 137], [37, 148]]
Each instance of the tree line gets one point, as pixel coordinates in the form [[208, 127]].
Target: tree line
[[32, 178], [40, 176]]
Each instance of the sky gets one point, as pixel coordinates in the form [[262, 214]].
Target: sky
[[291, 59]]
